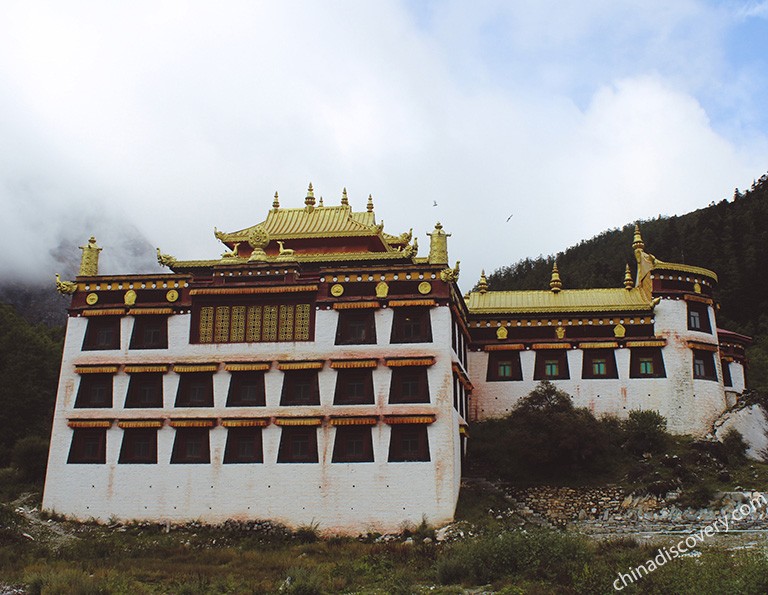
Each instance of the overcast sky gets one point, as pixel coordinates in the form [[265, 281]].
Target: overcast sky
[[573, 117]]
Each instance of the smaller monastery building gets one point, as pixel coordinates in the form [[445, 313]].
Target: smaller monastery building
[[321, 371]]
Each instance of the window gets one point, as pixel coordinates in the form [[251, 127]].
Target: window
[[103, 332], [95, 390], [411, 325], [551, 365], [145, 390], [89, 445], [252, 323], [139, 446], [300, 388], [646, 362], [354, 387], [246, 389], [298, 445], [698, 317], [704, 365], [504, 365], [408, 442], [409, 385], [599, 363], [727, 380], [195, 390], [356, 327], [191, 445], [150, 332], [353, 444], [243, 446]]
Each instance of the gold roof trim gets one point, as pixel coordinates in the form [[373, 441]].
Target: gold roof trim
[[89, 423], [309, 365], [248, 367], [298, 421], [254, 422], [599, 345], [189, 368], [462, 376], [407, 303], [192, 423], [702, 346], [539, 346], [409, 419], [162, 368], [504, 347], [140, 423], [409, 361], [684, 268], [354, 421], [567, 300], [464, 431], [253, 290], [697, 298], [105, 312], [647, 343], [149, 311], [96, 369], [355, 305], [354, 364]]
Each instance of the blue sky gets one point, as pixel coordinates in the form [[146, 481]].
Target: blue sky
[[176, 117]]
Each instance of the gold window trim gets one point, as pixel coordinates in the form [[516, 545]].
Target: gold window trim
[[355, 305], [354, 364], [188, 368], [599, 345], [256, 422], [162, 368], [727, 358], [254, 290], [409, 361], [463, 378], [699, 299], [408, 419], [192, 423], [149, 311], [299, 421], [543, 346], [505, 347], [105, 312], [313, 365], [248, 367], [648, 343], [140, 423], [89, 423], [354, 421], [408, 303], [702, 346], [96, 369]]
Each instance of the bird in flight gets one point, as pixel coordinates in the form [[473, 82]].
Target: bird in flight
[[434, 203], [508, 218]]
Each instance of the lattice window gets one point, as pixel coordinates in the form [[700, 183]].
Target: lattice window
[[270, 324], [286, 323], [253, 330], [222, 324], [206, 324], [238, 324], [254, 324], [302, 322]]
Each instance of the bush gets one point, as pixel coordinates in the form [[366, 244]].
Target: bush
[[645, 431], [30, 458], [734, 446]]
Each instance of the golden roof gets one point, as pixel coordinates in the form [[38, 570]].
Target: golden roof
[[566, 300], [684, 268]]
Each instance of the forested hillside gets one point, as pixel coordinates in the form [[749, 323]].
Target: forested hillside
[[730, 238]]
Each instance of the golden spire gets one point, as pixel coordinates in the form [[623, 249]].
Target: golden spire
[[344, 197], [637, 242], [369, 206], [89, 261], [320, 204], [276, 202], [310, 199], [555, 284], [482, 285], [438, 245], [628, 282]]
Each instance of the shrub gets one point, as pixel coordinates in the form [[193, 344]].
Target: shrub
[[645, 431], [30, 457], [698, 496], [734, 446]]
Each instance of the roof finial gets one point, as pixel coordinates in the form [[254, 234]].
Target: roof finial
[[276, 202], [482, 285], [628, 282], [555, 284], [320, 204], [637, 242], [369, 206], [438, 245], [344, 197], [310, 199], [89, 259]]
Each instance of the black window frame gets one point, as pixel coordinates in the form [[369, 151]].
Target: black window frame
[[545, 356], [132, 439], [362, 377], [654, 354], [725, 366], [590, 356], [81, 449], [237, 385], [411, 325], [91, 383], [290, 437], [187, 382], [704, 367], [293, 379], [495, 361], [237, 438], [356, 327], [180, 454], [136, 398], [150, 332], [417, 433], [412, 375], [698, 317], [358, 436], [102, 333]]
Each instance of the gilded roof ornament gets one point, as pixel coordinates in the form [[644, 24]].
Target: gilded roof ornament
[[231, 253], [276, 201], [450, 275], [344, 197], [482, 285], [637, 241], [412, 250], [628, 281], [438, 245], [369, 206], [165, 260], [89, 261], [555, 284], [310, 198], [65, 287], [320, 204], [258, 238], [220, 235]]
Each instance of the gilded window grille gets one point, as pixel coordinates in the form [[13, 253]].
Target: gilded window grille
[[238, 324], [206, 324], [302, 322], [270, 324], [222, 324], [286, 322], [253, 329]]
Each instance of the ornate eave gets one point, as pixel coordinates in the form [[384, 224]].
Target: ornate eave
[[564, 301]]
